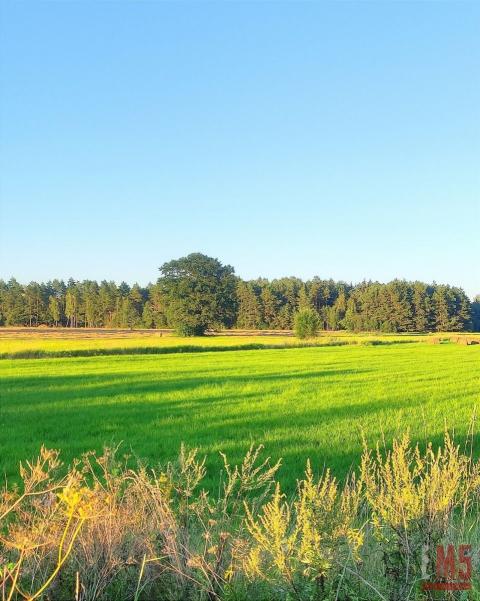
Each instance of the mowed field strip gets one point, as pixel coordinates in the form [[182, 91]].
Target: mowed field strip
[[38, 342], [298, 402]]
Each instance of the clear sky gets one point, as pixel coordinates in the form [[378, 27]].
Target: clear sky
[[337, 139]]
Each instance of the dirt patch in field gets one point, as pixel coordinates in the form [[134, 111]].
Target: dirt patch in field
[[86, 333]]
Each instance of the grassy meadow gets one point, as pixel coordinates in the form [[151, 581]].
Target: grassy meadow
[[298, 402], [38, 342]]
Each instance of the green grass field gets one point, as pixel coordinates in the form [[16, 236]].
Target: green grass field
[[298, 402]]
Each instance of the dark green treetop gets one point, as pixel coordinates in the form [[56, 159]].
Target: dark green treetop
[[199, 294]]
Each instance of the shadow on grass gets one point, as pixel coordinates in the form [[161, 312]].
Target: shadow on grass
[[192, 348], [155, 413], [40, 388]]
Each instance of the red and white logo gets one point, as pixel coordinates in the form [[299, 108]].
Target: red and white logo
[[453, 569]]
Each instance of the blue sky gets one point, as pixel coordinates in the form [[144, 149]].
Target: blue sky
[[337, 139]]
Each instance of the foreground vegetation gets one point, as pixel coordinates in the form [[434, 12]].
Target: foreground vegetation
[[103, 531], [306, 402]]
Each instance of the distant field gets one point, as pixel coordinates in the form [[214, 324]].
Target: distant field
[[130, 340], [298, 402], [33, 342]]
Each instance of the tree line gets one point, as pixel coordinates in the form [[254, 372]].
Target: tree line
[[197, 293]]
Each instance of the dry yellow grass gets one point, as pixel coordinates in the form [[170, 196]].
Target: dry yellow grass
[[15, 340], [104, 530]]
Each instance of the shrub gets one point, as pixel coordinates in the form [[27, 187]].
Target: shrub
[[307, 323], [105, 532], [413, 498], [186, 330]]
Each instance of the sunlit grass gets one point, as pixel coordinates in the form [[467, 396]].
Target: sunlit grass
[[51, 345], [311, 402], [42, 342]]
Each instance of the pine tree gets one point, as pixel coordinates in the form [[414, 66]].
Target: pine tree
[[129, 317], [249, 314], [14, 307], [91, 304], [420, 307], [284, 319], [304, 301], [107, 302], [269, 306], [34, 304], [158, 306], [54, 309], [71, 307], [148, 320], [442, 309], [464, 311], [475, 313]]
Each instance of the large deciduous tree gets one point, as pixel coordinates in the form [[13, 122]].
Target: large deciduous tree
[[199, 294]]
